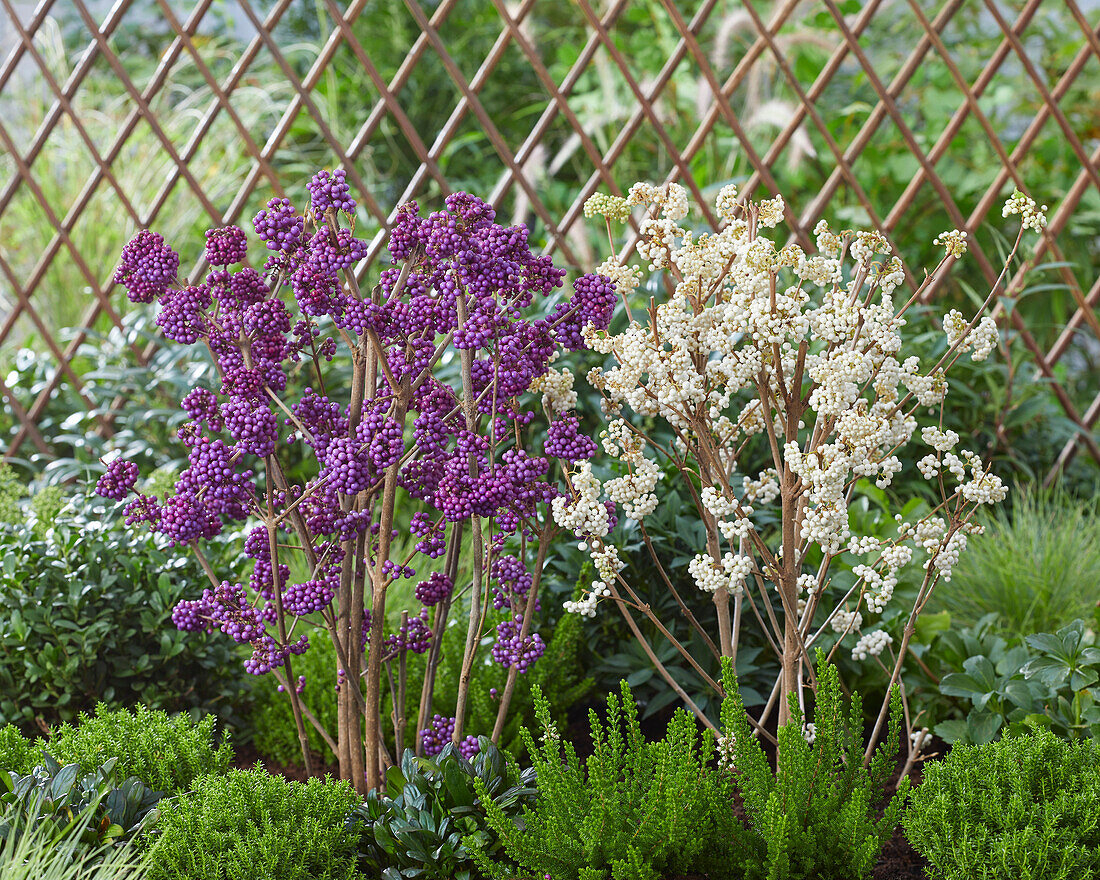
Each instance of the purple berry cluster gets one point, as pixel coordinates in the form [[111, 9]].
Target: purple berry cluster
[[565, 440], [148, 267], [330, 191], [279, 226], [413, 635], [511, 650], [120, 478], [434, 738], [435, 589], [226, 246], [511, 582]]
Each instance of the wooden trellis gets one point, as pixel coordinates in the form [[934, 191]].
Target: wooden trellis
[[765, 29]]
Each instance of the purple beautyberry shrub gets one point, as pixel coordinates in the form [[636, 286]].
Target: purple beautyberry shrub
[[459, 281]]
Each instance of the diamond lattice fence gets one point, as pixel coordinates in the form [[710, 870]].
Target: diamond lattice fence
[[914, 116]]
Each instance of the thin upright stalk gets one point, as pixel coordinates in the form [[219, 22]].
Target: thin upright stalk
[[525, 627], [473, 630], [277, 590]]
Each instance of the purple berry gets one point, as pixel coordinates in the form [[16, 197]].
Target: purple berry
[[120, 478]]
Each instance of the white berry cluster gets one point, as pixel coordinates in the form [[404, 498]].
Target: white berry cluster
[[954, 242], [584, 514], [729, 574], [611, 207], [982, 338], [557, 390], [1032, 216], [871, 644]]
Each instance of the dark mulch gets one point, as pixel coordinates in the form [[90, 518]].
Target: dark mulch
[[248, 757], [899, 861]]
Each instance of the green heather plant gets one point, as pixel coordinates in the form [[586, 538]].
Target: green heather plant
[[250, 825], [635, 811], [1036, 568], [167, 753], [17, 753], [430, 817], [54, 795], [823, 816], [38, 854], [1024, 808]]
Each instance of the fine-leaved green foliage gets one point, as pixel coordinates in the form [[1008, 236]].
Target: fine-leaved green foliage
[[636, 811], [17, 753], [814, 819], [1034, 569], [1023, 808], [166, 753], [249, 825]]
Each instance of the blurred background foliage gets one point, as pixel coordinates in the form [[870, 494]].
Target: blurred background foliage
[[339, 120]]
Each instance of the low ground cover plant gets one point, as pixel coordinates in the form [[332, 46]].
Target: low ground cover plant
[[17, 753], [250, 825], [165, 752], [1023, 808], [635, 809], [55, 796]]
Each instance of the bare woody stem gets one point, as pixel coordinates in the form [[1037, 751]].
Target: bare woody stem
[[443, 610], [373, 689], [474, 628], [545, 534], [277, 590]]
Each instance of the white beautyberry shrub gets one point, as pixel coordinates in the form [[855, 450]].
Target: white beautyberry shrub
[[766, 348]]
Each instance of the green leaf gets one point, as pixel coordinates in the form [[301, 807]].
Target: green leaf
[[63, 781], [982, 727], [952, 731], [1048, 643]]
